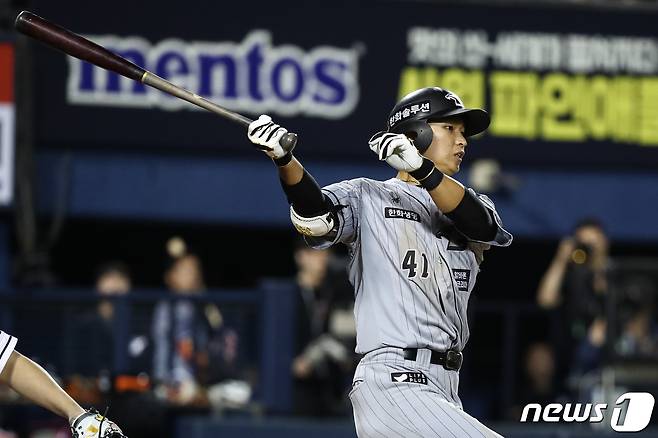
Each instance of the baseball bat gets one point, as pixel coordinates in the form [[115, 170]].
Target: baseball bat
[[79, 47]]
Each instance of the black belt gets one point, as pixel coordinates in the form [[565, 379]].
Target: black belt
[[450, 360]]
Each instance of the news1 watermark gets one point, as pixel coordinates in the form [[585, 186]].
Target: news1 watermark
[[630, 413]]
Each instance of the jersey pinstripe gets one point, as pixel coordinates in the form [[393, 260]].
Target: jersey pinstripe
[[412, 272], [7, 345]]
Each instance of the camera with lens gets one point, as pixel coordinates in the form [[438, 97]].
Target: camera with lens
[[581, 253]]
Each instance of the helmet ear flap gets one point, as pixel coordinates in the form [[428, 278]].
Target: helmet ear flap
[[420, 131], [424, 137]]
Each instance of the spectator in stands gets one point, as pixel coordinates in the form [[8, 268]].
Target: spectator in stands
[[576, 284], [96, 380], [113, 279], [193, 348], [93, 334], [638, 329], [639, 337], [132, 403], [638, 333], [174, 327], [540, 384], [326, 333]]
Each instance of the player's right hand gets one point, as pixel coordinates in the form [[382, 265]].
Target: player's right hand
[[266, 134], [397, 150]]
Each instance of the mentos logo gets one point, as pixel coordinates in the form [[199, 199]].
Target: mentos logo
[[250, 76]]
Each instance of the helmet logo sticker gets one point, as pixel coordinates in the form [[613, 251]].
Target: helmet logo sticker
[[455, 98]]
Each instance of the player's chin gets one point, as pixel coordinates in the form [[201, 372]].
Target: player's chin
[[452, 169], [448, 167]]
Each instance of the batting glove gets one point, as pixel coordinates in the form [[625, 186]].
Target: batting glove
[[266, 134], [91, 424], [397, 150]]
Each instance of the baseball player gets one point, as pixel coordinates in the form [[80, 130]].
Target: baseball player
[[416, 242], [34, 383]]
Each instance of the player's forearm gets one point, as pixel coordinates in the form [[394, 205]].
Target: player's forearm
[[292, 172], [310, 212], [301, 189], [448, 194], [34, 383], [468, 213]]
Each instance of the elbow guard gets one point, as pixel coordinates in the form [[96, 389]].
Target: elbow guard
[[310, 212], [473, 219], [315, 226]]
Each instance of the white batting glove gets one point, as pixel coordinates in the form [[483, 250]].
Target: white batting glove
[[91, 424], [397, 150], [266, 134]]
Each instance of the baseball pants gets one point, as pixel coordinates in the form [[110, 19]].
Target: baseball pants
[[395, 397]]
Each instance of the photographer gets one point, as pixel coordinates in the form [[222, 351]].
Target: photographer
[[575, 284]]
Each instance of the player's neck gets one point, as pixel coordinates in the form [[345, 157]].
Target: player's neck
[[404, 176]]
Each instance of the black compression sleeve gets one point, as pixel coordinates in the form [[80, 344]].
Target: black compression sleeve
[[306, 196], [473, 219]]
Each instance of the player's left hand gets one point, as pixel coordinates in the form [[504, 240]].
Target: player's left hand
[[266, 134], [91, 424], [397, 150]]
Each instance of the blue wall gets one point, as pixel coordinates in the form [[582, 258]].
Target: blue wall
[[237, 191]]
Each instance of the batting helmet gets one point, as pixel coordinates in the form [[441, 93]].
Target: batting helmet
[[412, 114]]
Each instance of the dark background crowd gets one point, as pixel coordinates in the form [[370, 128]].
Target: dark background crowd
[[588, 306]]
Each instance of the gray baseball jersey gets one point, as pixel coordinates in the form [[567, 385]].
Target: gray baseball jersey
[[412, 273], [7, 345]]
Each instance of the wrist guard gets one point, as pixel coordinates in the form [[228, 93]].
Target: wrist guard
[[280, 162], [427, 175]]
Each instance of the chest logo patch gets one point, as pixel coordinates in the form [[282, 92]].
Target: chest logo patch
[[394, 197], [399, 213], [462, 278], [409, 378]]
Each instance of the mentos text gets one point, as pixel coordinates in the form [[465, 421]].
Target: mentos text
[[250, 76]]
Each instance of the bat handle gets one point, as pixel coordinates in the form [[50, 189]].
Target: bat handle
[[288, 141]]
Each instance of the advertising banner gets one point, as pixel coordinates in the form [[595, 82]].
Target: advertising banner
[[565, 87], [6, 123]]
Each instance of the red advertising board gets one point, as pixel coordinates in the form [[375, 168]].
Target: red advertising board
[[6, 73]]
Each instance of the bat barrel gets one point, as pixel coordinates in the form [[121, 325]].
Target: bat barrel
[[75, 45]]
